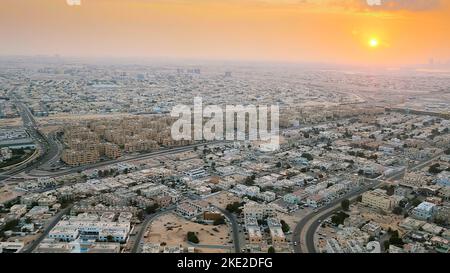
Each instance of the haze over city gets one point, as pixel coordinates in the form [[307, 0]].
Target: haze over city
[[396, 33], [207, 126]]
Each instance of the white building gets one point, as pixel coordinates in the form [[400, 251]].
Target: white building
[[90, 228], [258, 211], [424, 211]]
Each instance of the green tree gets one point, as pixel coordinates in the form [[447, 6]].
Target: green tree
[[271, 250], [10, 225], [250, 180], [151, 209], [234, 207], [345, 204], [386, 245], [192, 237], [390, 190], [397, 241], [415, 202], [338, 218], [397, 210], [284, 226], [308, 156], [435, 169]]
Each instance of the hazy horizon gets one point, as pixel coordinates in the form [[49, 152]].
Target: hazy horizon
[[395, 34]]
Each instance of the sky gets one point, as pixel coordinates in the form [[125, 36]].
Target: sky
[[401, 32]]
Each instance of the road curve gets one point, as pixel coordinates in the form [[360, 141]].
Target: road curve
[[147, 221], [306, 228], [234, 227]]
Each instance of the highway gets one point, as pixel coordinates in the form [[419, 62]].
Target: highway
[[54, 153], [305, 229], [166, 151], [50, 147], [47, 149], [50, 151]]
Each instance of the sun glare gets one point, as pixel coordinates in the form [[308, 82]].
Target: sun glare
[[373, 42]]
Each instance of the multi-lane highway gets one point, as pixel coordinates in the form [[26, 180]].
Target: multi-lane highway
[[305, 229], [41, 143], [161, 152], [50, 150]]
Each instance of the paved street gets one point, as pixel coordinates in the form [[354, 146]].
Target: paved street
[[306, 228]]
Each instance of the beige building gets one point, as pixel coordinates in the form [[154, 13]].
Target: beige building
[[111, 150], [378, 199], [258, 211], [77, 158], [276, 232], [254, 235]]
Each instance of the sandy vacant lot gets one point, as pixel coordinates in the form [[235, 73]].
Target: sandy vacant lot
[[172, 229], [387, 221], [10, 122], [222, 199], [71, 118], [7, 193]]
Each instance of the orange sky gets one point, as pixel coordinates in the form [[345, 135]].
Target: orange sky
[[271, 30]]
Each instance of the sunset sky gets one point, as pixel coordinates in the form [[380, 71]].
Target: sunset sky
[[398, 32]]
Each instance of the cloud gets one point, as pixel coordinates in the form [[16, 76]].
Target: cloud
[[412, 5], [371, 5]]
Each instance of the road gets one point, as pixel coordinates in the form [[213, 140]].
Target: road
[[235, 228], [310, 221], [137, 247], [31, 247], [54, 153], [306, 228], [166, 151], [47, 148], [50, 147]]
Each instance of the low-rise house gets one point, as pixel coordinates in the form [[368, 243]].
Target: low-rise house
[[372, 228], [424, 211], [276, 232], [258, 211]]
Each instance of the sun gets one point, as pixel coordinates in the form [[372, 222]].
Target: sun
[[373, 42]]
